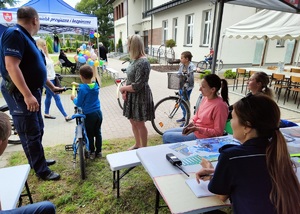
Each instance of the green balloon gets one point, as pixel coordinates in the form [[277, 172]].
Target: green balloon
[[101, 62]]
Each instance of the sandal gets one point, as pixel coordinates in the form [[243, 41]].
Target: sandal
[[49, 116], [132, 148]]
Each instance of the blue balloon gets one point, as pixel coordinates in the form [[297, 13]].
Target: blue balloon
[[81, 59], [91, 63], [84, 46]]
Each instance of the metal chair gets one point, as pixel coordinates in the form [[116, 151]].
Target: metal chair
[[64, 68]]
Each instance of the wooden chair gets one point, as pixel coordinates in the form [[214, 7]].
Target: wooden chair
[[241, 74], [294, 87], [295, 70], [279, 83], [272, 67]]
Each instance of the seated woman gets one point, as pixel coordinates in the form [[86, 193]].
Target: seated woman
[[258, 83], [258, 175], [67, 62], [211, 116]]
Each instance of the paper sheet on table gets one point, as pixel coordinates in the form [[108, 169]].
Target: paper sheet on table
[[200, 190]]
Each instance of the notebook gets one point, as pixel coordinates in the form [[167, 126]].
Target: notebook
[[200, 190]]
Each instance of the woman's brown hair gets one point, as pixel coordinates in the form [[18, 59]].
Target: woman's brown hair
[[261, 113]]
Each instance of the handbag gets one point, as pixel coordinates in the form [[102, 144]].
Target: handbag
[[57, 80]]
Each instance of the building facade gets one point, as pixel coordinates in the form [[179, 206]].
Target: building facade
[[190, 23]]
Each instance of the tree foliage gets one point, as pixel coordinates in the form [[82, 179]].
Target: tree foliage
[[104, 14], [8, 2]]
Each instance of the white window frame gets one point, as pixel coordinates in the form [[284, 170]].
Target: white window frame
[[206, 28], [148, 4], [189, 29], [165, 31], [175, 29]]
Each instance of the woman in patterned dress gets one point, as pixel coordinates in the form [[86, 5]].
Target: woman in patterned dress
[[137, 95]]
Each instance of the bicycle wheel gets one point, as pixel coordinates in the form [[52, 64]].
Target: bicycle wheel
[[119, 95], [167, 111], [81, 158], [202, 65], [220, 64]]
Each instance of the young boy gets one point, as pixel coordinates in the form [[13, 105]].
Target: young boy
[[88, 99], [188, 67]]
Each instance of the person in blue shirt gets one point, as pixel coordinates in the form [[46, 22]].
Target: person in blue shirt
[[186, 67], [24, 75], [257, 176], [88, 99], [43, 207]]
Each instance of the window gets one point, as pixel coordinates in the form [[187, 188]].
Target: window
[[165, 31], [189, 29], [175, 26], [280, 43], [148, 4], [206, 28]]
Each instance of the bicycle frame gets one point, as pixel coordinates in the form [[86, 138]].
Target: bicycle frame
[[80, 133]]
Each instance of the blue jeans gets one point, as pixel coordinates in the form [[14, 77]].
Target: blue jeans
[[175, 136], [93, 123], [188, 93], [49, 95], [30, 128], [44, 207]]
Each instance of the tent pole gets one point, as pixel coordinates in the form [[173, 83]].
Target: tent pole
[[220, 54], [217, 37], [99, 76], [214, 24]]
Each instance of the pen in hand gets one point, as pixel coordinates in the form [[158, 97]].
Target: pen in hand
[[207, 175]]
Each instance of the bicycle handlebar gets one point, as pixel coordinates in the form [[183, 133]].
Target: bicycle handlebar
[[62, 89]]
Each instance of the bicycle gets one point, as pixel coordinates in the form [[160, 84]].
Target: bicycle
[[166, 110], [206, 63], [80, 143], [121, 82]]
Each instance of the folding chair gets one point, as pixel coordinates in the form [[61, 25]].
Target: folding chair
[[64, 68]]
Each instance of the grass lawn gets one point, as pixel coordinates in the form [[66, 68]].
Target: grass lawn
[[95, 194], [106, 80]]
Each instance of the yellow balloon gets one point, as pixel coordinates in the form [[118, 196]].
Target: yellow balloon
[[96, 63], [87, 53], [97, 35]]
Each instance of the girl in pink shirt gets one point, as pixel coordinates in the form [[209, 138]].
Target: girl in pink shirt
[[211, 116]]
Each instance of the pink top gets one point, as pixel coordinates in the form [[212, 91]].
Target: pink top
[[211, 117]]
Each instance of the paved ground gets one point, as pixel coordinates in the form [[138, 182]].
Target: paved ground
[[114, 124]]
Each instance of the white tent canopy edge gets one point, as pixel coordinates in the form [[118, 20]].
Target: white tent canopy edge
[[266, 23]]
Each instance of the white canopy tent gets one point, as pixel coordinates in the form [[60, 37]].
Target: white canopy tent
[[290, 6], [265, 23]]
